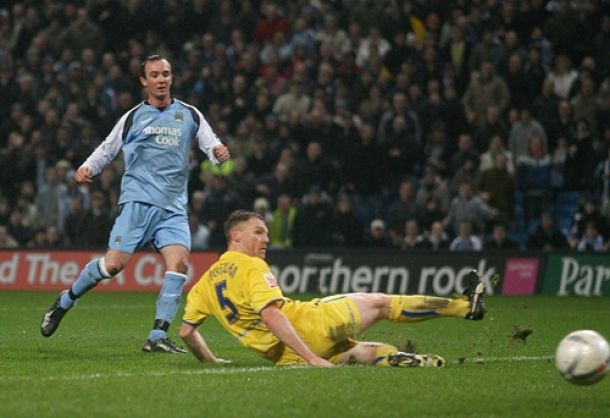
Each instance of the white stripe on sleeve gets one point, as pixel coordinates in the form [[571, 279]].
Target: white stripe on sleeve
[[206, 138], [108, 149]]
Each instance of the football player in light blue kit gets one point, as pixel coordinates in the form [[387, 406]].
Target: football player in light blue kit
[[155, 137]]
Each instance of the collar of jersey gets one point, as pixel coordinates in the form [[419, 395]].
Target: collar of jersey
[[160, 109]]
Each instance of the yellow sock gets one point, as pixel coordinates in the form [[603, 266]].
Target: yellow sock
[[418, 308], [381, 356]]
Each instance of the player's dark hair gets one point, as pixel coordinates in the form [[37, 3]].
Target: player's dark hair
[[238, 216], [150, 58]]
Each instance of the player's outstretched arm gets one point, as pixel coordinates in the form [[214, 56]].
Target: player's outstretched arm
[[103, 154], [196, 344], [209, 142], [281, 327]]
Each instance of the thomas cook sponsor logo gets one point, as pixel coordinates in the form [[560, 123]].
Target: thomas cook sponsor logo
[[162, 130], [165, 135], [167, 140]]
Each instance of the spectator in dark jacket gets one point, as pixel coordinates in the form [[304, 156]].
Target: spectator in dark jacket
[[547, 236], [17, 229], [274, 184], [534, 179], [492, 125], [587, 212], [347, 230], [591, 239], [316, 168], [362, 163], [430, 213], [403, 209], [499, 239], [97, 223], [377, 236], [519, 83], [313, 223], [498, 185], [581, 161], [436, 239], [219, 202]]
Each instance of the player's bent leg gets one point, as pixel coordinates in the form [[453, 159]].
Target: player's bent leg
[[386, 355], [94, 272], [115, 261], [366, 353]]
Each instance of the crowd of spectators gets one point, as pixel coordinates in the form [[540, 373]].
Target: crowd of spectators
[[461, 125]]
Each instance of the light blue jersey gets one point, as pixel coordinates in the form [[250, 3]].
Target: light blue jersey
[[153, 203], [155, 144]]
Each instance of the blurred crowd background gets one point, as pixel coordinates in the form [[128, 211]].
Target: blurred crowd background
[[461, 125]]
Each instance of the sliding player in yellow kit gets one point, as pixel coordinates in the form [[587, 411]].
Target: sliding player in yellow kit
[[244, 296]]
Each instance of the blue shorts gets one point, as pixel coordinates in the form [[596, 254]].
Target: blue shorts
[[138, 224]]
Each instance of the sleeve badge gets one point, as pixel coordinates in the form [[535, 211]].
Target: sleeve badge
[[271, 280]]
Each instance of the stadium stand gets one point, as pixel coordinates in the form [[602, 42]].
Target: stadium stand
[[330, 103]]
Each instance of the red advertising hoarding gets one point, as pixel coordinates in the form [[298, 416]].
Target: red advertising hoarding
[[301, 271], [56, 270]]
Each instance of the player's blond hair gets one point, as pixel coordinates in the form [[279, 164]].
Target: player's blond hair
[[238, 216]]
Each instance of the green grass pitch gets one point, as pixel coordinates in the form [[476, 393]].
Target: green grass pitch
[[93, 367]]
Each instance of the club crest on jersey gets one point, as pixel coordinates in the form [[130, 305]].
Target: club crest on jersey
[[271, 280], [179, 116]]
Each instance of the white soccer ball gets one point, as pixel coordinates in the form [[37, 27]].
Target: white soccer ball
[[583, 357]]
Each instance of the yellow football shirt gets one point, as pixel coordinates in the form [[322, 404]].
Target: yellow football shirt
[[234, 290], [238, 287]]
